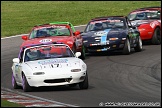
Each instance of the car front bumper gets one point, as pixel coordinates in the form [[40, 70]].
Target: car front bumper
[[56, 80], [112, 45]]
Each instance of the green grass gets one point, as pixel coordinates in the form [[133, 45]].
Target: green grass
[[18, 17], [5, 103]]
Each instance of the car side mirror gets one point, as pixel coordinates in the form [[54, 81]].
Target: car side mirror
[[16, 60], [78, 54], [77, 33], [24, 37], [134, 27]]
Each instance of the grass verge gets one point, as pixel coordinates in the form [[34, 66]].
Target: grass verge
[[18, 17], [5, 103]]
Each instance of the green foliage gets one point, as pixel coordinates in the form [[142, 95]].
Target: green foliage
[[5, 103], [18, 17]]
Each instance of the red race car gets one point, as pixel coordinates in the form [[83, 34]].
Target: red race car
[[55, 32], [148, 21]]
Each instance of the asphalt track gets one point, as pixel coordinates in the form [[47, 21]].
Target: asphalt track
[[113, 77]]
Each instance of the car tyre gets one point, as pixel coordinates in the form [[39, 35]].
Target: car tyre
[[127, 48], [74, 49], [156, 39], [25, 85], [14, 84], [83, 53], [138, 48], [84, 84]]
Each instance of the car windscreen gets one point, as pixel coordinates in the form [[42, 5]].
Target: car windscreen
[[47, 52], [144, 15], [50, 31], [110, 23]]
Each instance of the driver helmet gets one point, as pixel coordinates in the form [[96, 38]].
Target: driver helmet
[[32, 54], [98, 25]]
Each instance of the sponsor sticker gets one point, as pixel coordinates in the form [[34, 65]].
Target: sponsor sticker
[[45, 40], [53, 61], [100, 33]]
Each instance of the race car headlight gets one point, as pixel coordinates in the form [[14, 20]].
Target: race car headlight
[[142, 29], [85, 41], [75, 70], [38, 73], [113, 39], [69, 42]]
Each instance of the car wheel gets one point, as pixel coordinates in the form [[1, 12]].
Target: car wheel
[[74, 49], [72, 85], [83, 53], [156, 39], [84, 84], [127, 48], [139, 45], [25, 85], [14, 84]]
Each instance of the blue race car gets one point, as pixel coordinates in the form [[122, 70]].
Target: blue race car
[[111, 33]]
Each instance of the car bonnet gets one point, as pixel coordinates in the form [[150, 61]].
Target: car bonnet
[[53, 64], [101, 35]]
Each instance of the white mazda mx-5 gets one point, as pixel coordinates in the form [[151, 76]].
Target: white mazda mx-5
[[48, 65]]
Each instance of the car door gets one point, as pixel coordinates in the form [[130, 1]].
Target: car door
[[18, 67], [17, 71]]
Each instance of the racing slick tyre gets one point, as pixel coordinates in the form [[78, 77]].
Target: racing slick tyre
[[83, 53], [84, 84], [156, 39], [138, 48], [127, 48], [14, 84], [26, 86]]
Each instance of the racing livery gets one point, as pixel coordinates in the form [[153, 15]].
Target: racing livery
[[148, 21], [111, 33], [48, 65], [62, 32]]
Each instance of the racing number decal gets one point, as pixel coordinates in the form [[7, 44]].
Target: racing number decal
[[45, 40]]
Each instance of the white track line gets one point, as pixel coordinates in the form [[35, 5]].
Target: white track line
[[35, 97]]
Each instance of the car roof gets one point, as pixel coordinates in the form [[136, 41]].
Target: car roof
[[57, 23], [48, 25], [32, 45], [147, 8], [105, 17]]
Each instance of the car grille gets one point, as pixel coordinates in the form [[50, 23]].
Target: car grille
[[58, 80], [99, 47]]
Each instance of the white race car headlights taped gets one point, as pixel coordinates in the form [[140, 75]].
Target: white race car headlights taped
[[69, 42], [38, 73], [75, 70]]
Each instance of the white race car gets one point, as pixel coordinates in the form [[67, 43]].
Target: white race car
[[48, 65]]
